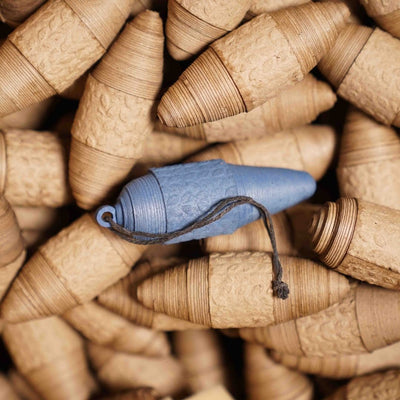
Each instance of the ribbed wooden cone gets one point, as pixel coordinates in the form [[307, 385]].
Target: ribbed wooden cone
[[366, 320], [202, 358], [120, 371], [14, 12], [114, 115], [21, 386], [245, 68], [192, 25], [349, 66], [369, 161], [50, 355], [216, 393], [266, 379], [258, 7], [234, 290], [138, 394], [105, 328], [121, 298], [360, 239], [70, 269], [7, 392]]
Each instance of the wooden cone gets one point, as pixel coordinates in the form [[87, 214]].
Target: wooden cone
[[258, 7], [14, 12], [308, 148], [70, 269], [121, 371], [105, 328], [7, 392], [55, 46], [234, 290], [192, 25], [138, 394], [216, 393], [366, 320], [114, 115], [369, 161], [306, 99], [351, 67], [245, 68], [266, 380], [33, 168], [21, 386], [360, 239], [120, 298], [202, 359], [36, 218], [50, 356]]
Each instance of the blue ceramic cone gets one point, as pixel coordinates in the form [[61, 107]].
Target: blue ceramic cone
[[171, 198]]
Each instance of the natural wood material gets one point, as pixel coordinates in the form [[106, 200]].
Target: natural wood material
[[255, 62], [305, 100], [217, 393], [114, 115], [366, 320], [14, 12], [7, 392], [192, 25], [363, 66], [33, 169], [70, 269], [369, 161], [202, 358], [54, 47], [267, 380], [234, 290], [121, 371], [36, 218], [105, 328], [359, 239], [258, 7], [50, 356], [21, 386], [138, 394]]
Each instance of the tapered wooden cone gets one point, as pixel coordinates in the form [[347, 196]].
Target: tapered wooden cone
[[258, 7], [306, 99], [7, 392], [21, 386], [120, 298], [105, 328], [54, 47], [14, 12], [33, 168], [138, 394], [114, 115], [36, 218], [366, 320], [369, 161], [191, 25], [245, 68], [308, 148], [234, 290], [266, 379], [120, 371], [70, 269], [202, 359], [360, 239], [50, 355], [216, 393], [350, 66]]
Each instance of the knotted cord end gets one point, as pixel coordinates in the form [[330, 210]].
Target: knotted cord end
[[281, 289]]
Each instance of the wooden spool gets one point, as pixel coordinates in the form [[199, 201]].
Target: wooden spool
[[14, 12], [234, 290], [70, 269], [51, 357], [114, 115], [369, 161], [245, 68], [267, 380], [21, 386], [363, 66], [7, 392], [360, 239]]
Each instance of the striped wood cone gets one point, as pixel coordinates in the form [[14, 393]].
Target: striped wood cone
[[267, 380], [121, 299], [202, 358], [51, 357], [33, 169], [114, 115], [70, 269], [12, 251], [122, 371], [360, 239], [54, 47], [366, 320], [234, 290], [7, 392], [21, 386], [369, 161], [14, 12], [216, 393], [253, 63], [105, 328], [358, 66], [192, 25], [258, 7], [306, 99]]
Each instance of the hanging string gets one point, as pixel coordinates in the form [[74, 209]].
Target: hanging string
[[279, 287]]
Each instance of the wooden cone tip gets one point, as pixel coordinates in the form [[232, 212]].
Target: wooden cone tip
[[149, 21], [325, 96], [144, 291]]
